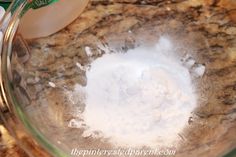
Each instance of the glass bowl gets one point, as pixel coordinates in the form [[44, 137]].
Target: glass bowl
[[44, 80]]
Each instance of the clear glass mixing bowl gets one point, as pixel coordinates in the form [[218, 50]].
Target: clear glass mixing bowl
[[39, 107]]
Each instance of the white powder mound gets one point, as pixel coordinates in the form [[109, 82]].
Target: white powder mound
[[140, 98]]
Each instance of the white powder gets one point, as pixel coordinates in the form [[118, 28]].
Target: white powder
[[51, 84], [199, 70], [88, 51], [140, 98], [80, 66]]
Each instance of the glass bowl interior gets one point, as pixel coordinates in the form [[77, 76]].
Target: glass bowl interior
[[49, 75]]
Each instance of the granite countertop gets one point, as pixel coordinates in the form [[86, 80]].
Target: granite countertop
[[211, 29]]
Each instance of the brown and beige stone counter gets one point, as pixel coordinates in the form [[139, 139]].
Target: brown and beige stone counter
[[207, 27]]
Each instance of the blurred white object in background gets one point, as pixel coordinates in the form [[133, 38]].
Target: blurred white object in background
[[2, 12], [50, 19]]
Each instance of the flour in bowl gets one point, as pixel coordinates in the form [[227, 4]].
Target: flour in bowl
[[143, 97]]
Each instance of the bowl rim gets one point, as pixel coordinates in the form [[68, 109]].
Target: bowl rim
[[11, 112]]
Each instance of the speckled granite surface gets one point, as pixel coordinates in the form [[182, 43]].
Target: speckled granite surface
[[209, 31]]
